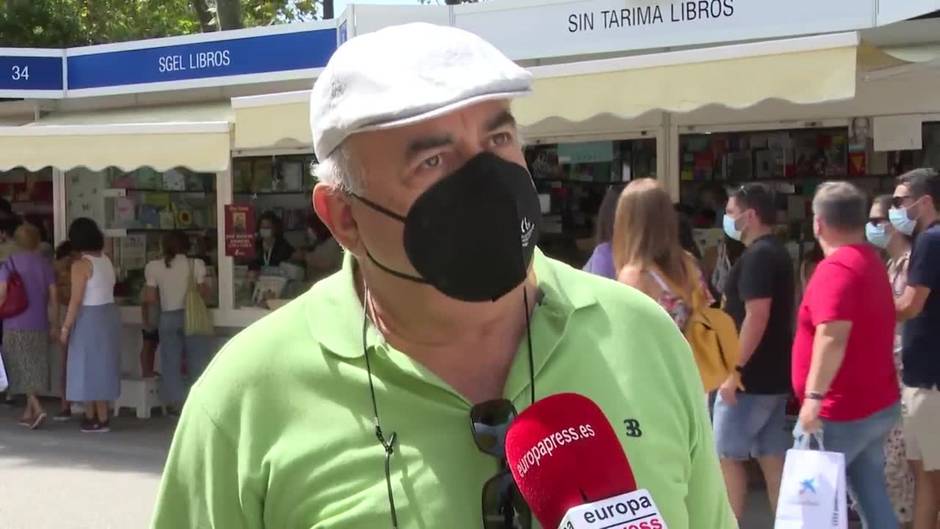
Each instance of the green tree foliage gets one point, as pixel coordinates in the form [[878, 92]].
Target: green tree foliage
[[64, 23]]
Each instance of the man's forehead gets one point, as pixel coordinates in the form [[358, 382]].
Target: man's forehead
[[482, 117]]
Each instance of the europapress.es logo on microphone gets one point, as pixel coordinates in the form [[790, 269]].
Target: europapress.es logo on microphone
[[544, 448]]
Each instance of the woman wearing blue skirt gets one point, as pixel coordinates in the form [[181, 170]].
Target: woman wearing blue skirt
[[92, 329]]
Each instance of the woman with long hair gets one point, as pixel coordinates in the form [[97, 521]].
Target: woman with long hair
[[92, 329], [647, 253], [602, 260], [26, 335], [65, 256], [167, 282], [897, 246]]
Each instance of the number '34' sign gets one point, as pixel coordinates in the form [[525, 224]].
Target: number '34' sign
[[19, 73]]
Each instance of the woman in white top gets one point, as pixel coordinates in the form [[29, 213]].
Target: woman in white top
[[167, 281], [92, 329]]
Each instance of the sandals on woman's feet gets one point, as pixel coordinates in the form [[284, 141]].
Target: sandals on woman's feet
[[37, 422]]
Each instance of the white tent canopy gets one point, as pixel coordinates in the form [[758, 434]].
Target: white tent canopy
[[194, 136]]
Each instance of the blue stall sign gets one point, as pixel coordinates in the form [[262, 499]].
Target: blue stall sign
[[30, 73], [254, 55]]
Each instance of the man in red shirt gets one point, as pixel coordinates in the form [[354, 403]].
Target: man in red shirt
[[843, 370]]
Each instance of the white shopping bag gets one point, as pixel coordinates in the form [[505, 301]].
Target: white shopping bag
[[812, 493], [4, 382]]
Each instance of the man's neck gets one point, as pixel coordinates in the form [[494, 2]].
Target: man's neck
[[470, 346], [928, 219], [756, 233], [834, 242], [427, 317]]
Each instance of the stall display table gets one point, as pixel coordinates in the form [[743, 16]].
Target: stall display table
[[141, 394]]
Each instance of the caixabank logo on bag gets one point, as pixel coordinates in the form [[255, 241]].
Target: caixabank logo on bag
[[807, 494]]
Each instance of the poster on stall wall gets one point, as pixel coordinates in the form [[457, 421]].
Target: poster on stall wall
[[134, 251], [240, 231], [859, 135], [857, 164]]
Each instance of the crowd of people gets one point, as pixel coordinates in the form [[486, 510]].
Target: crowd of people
[[859, 349], [65, 298], [69, 302]]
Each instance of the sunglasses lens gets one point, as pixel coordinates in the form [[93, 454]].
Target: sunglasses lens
[[489, 422], [898, 202], [503, 506]]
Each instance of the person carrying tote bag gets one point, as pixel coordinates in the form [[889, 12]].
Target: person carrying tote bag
[[176, 282], [198, 319], [813, 488]]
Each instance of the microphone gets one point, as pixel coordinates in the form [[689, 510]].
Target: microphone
[[572, 470]]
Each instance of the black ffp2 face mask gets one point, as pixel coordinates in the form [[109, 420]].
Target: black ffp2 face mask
[[471, 235]]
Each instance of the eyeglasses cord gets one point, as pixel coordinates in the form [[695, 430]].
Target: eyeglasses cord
[[387, 444]]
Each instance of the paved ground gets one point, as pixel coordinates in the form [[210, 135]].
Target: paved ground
[[59, 478]]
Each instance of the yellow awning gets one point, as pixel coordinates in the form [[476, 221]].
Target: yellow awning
[[194, 136], [805, 70], [272, 121]]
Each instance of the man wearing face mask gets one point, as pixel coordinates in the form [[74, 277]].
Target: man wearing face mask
[[914, 212], [750, 423], [380, 397]]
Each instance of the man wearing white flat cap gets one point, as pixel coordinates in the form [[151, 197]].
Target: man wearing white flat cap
[[379, 397]]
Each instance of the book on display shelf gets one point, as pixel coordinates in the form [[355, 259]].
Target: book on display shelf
[[291, 176]]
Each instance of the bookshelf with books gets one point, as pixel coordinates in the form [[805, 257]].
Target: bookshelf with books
[[572, 179], [278, 185], [793, 163], [30, 196]]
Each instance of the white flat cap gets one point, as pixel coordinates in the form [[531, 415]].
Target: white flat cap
[[405, 74]]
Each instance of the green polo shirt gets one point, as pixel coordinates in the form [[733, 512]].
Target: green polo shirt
[[278, 433]]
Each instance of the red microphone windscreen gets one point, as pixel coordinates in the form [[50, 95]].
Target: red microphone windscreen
[[563, 453]]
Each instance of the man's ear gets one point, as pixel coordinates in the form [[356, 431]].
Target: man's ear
[[333, 208], [933, 204], [818, 226]]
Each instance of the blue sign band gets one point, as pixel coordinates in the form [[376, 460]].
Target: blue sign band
[[203, 60], [30, 73]]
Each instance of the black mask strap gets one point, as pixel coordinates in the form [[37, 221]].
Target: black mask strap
[[396, 273], [389, 213], [381, 209]]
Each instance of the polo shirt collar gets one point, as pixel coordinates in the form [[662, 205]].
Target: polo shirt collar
[[335, 312]]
